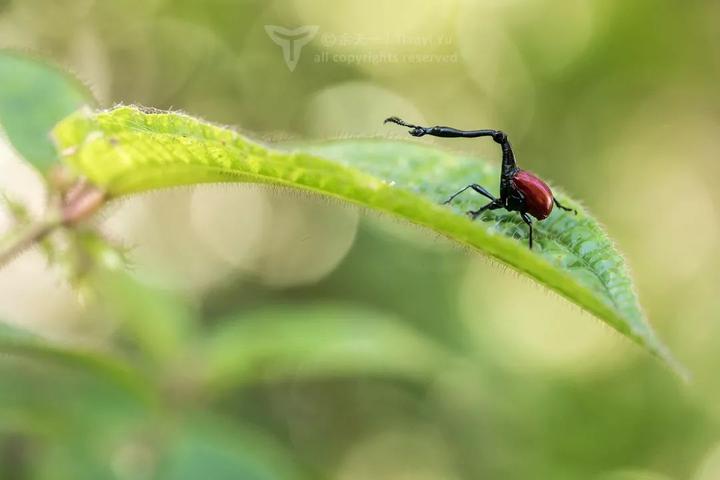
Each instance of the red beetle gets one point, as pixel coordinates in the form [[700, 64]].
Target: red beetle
[[520, 190]]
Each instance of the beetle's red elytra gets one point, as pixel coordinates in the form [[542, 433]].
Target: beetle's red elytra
[[538, 196], [520, 190]]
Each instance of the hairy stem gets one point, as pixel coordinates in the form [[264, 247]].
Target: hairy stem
[[25, 236], [80, 202]]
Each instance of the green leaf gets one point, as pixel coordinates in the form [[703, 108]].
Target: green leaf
[[129, 150], [34, 96], [206, 446], [311, 341], [156, 322], [15, 341]]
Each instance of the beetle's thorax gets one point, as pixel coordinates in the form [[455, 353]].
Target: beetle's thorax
[[513, 198], [506, 181]]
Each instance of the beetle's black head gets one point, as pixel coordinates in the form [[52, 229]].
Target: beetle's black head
[[499, 137]]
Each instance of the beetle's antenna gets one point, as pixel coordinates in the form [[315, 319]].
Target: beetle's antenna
[[400, 121]]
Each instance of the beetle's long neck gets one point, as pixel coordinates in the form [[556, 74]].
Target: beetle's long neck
[[509, 168], [508, 159]]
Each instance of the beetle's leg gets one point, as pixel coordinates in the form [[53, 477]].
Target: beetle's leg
[[560, 205], [527, 220], [494, 205], [478, 188]]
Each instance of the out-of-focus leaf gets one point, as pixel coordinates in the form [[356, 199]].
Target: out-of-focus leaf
[[311, 341], [208, 447], [127, 150], [34, 96], [72, 459], [73, 417], [112, 446], [18, 342], [157, 321]]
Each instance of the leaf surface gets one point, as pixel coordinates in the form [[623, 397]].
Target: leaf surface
[[128, 150]]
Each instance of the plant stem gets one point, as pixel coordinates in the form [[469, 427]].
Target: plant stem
[[81, 201], [21, 238]]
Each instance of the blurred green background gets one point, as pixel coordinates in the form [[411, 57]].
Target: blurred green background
[[263, 333]]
